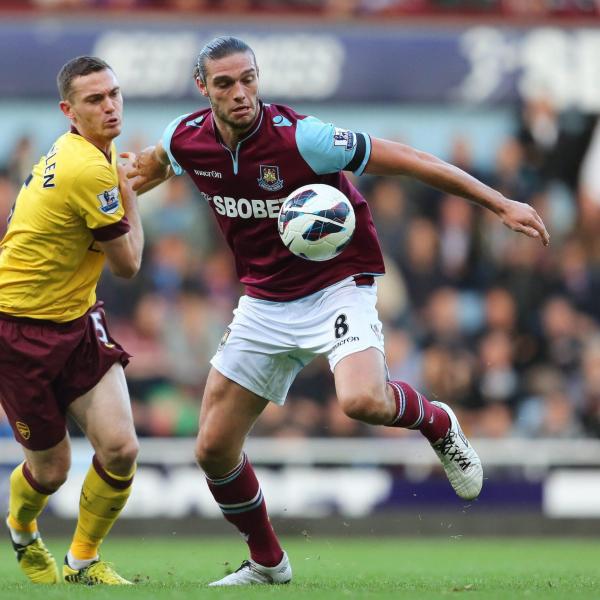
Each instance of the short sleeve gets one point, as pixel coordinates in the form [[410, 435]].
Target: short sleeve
[[329, 149], [96, 199], [166, 142]]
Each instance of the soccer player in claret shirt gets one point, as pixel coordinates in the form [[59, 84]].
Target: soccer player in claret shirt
[[245, 156], [56, 354]]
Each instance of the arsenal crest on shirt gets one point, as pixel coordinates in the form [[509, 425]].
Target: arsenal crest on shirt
[[269, 178]]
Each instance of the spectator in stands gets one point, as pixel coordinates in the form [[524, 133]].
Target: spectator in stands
[[547, 410]]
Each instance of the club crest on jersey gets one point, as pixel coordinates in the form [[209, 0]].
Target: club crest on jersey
[[109, 201], [23, 430], [377, 331], [224, 339], [269, 178], [343, 137]]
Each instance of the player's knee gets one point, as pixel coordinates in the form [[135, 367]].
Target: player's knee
[[120, 457], [51, 476], [212, 454], [52, 481], [362, 404]]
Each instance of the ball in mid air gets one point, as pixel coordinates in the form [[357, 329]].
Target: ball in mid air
[[316, 222]]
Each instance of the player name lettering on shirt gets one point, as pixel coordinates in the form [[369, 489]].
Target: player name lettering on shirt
[[50, 166], [247, 209], [215, 174]]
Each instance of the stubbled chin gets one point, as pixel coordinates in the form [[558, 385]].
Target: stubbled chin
[[113, 131], [246, 120]]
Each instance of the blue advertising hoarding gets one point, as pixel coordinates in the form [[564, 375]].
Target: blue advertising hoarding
[[477, 65]]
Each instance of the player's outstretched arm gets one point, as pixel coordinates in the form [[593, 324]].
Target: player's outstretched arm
[[392, 158], [151, 168], [124, 254]]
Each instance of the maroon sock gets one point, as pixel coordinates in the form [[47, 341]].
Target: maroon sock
[[240, 498], [414, 411]]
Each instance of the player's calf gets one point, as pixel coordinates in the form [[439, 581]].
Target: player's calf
[[414, 411], [241, 501], [103, 497]]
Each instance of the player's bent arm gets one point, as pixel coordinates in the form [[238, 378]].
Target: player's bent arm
[[121, 255], [392, 158], [124, 254], [143, 187]]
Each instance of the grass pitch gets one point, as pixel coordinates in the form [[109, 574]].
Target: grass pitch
[[338, 568]]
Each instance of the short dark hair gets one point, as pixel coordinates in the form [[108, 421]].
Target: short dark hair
[[78, 67], [220, 47]]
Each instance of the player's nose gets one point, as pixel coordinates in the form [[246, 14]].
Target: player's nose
[[238, 91], [109, 105]]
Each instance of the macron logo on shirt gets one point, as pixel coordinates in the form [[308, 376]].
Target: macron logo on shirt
[[214, 174]]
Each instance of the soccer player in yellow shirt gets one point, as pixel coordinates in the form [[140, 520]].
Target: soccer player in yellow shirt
[[75, 211]]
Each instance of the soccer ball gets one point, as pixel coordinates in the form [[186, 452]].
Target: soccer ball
[[316, 222]]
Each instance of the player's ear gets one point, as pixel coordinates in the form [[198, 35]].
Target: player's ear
[[201, 86], [65, 107]]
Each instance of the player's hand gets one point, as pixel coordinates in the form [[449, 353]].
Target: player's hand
[[523, 218], [147, 169], [124, 169]]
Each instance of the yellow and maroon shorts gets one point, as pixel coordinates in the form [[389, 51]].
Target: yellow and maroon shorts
[[44, 366]]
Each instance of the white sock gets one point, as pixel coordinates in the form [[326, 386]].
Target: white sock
[[78, 564], [22, 537]]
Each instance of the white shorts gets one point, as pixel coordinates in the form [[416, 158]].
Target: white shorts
[[268, 343]]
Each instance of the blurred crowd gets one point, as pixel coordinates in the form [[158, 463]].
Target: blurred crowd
[[336, 8], [505, 330]]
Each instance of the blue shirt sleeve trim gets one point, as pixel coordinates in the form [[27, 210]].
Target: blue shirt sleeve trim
[[166, 142], [325, 148], [363, 164]]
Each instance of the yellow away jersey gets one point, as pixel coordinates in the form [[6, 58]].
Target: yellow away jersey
[[49, 262]]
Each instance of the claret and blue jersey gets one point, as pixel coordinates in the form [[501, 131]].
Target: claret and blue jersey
[[246, 186]]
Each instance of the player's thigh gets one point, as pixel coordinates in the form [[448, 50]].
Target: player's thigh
[[351, 325], [95, 353], [104, 415], [259, 350], [227, 414], [50, 467], [31, 356], [360, 377]]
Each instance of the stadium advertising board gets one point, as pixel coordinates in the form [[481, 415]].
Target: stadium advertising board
[[294, 491], [320, 478], [478, 65]]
